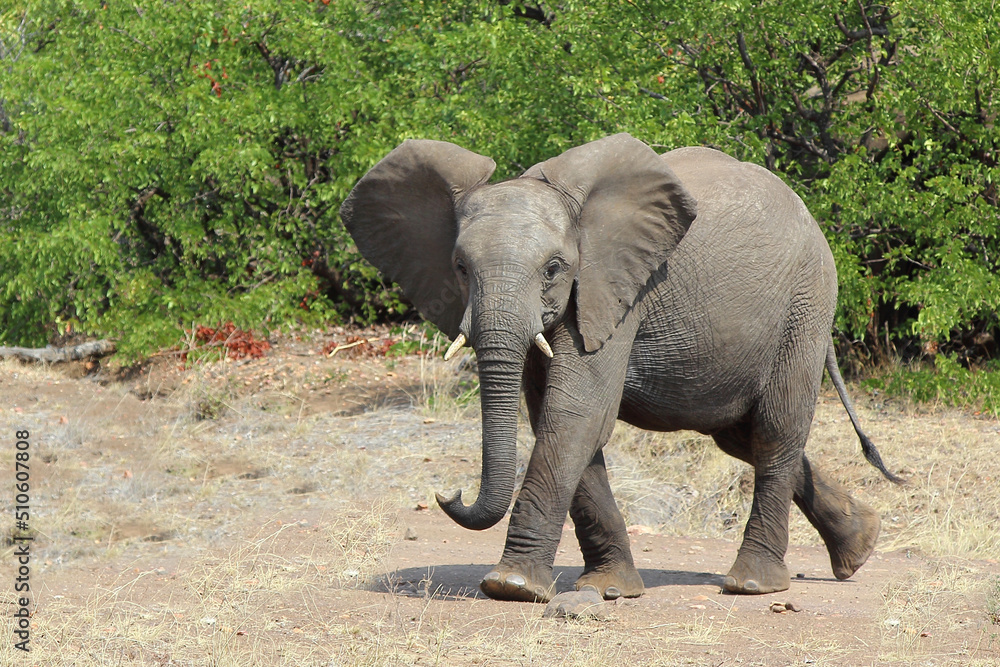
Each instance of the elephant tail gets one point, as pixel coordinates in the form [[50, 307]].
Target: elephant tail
[[867, 446]]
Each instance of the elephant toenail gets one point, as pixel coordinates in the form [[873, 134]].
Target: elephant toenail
[[751, 586], [516, 580], [590, 587], [492, 576], [612, 593]]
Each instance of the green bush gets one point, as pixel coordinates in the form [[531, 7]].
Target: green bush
[[946, 382], [170, 163]]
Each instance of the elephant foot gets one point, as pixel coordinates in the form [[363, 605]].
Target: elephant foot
[[519, 583], [612, 583], [854, 540], [753, 575]]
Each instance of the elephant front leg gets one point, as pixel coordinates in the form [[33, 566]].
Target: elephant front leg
[[572, 421], [561, 460], [600, 529], [524, 572]]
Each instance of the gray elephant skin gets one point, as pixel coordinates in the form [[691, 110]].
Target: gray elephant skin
[[682, 291]]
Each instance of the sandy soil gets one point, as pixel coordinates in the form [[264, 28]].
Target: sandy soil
[[279, 511]]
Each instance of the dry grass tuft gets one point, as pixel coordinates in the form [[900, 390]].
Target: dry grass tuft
[[449, 390], [919, 605], [678, 483], [358, 542], [230, 607]]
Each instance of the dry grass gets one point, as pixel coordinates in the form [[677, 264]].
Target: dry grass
[[678, 483], [946, 508], [951, 597], [226, 607], [429, 633], [449, 390], [216, 526]]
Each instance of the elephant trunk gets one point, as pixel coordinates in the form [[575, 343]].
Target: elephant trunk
[[500, 354]]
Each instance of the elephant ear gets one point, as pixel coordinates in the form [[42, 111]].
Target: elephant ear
[[401, 214], [632, 212]]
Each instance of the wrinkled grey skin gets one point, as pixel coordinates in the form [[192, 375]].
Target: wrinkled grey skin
[[688, 291]]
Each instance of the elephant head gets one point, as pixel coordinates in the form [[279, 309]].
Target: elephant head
[[500, 264]]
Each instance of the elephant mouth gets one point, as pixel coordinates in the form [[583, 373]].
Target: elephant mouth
[[460, 341]]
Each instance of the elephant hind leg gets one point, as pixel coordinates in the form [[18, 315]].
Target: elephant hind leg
[[774, 436], [848, 526], [760, 564], [600, 529]]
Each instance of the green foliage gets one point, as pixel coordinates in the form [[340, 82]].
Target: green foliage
[[947, 382], [166, 164], [424, 339]]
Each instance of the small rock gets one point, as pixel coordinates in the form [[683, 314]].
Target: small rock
[[410, 535], [421, 506], [587, 603], [800, 575], [778, 608], [791, 606]]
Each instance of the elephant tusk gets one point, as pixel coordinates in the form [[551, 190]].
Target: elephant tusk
[[455, 347], [543, 345]]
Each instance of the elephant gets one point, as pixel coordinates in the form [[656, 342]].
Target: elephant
[[684, 291]]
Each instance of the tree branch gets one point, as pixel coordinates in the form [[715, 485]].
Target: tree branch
[[808, 146], [52, 355], [867, 33], [655, 96], [752, 71]]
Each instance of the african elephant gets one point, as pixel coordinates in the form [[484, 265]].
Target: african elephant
[[683, 291]]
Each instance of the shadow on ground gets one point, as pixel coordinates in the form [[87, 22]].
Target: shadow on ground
[[461, 582]]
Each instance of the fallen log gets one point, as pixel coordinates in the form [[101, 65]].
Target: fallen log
[[52, 355]]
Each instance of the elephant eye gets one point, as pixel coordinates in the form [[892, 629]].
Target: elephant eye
[[462, 271], [552, 269]]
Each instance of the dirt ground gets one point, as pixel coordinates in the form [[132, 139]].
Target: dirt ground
[[280, 511]]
